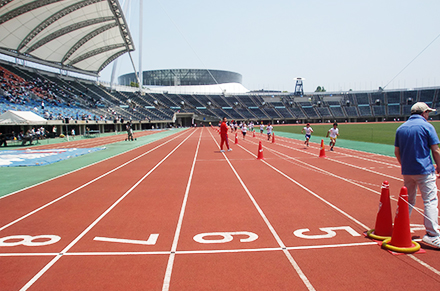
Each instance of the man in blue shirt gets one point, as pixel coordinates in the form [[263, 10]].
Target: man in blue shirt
[[415, 140]]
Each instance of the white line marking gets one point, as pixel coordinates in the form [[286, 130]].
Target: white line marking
[[170, 264], [344, 163], [271, 228], [370, 243], [311, 192], [84, 185], [345, 154], [66, 249], [418, 260], [152, 239], [424, 264], [419, 210]]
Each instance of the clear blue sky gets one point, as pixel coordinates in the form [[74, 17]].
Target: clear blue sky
[[340, 45]]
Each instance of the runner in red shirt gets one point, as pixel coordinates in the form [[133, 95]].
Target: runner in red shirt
[[224, 135]]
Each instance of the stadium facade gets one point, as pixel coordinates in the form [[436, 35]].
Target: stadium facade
[[162, 108]]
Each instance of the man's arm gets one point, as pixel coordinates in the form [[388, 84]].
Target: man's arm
[[397, 154], [436, 155]]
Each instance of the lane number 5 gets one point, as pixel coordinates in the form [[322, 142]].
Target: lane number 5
[[329, 232]]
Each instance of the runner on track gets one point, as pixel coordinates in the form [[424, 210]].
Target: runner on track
[[334, 133], [261, 128], [244, 130], [269, 129], [309, 132]]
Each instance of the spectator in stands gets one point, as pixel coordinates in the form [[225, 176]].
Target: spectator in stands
[[415, 140]]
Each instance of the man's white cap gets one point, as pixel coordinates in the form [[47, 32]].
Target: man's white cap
[[421, 107]]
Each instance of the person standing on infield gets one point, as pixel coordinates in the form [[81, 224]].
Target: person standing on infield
[[334, 133], [224, 135], [309, 132], [415, 140]]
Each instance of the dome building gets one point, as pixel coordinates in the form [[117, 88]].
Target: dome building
[[188, 80]]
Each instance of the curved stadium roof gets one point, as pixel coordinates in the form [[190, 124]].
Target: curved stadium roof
[[77, 35]]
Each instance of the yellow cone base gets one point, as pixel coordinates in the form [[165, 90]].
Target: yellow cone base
[[409, 250], [372, 235]]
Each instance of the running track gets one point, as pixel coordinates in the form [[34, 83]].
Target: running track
[[177, 214]]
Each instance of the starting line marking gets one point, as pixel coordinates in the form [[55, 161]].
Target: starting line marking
[[193, 252], [152, 239]]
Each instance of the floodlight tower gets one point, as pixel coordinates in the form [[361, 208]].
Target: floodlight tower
[[299, 90], [141, 17]]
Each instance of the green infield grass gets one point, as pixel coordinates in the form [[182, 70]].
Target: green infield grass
[[381, 132]]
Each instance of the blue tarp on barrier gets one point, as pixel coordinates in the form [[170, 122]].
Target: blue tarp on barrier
[[24, 158]]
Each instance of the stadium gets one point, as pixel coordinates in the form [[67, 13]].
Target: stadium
[[171, 97], [161, 106], [124, 185]]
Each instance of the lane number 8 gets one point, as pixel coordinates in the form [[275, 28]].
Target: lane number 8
[[27, 240]]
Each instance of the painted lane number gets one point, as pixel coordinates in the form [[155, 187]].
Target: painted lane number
[[329, 232], [29, 241], [225, 237]]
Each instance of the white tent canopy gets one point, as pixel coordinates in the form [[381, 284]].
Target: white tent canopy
[[21, 117]]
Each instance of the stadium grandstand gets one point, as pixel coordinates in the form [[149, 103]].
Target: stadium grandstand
[[86, 42]]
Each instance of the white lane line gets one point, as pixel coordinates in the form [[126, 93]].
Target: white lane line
[[348, 155], [429, 267], [84, 185], [419, 210], [346, 164], [271, 228], [79, 254], [311, 192], [336, 208], [170, 264], [66, 249]]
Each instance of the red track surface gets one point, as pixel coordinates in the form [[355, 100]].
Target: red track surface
[[88, 143], [217, 222]]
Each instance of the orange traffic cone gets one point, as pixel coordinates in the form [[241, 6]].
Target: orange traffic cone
[[384, 219], [273, 137], [400, 240], [322, 151], [253, 135], [236, 138], [260, 152]]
